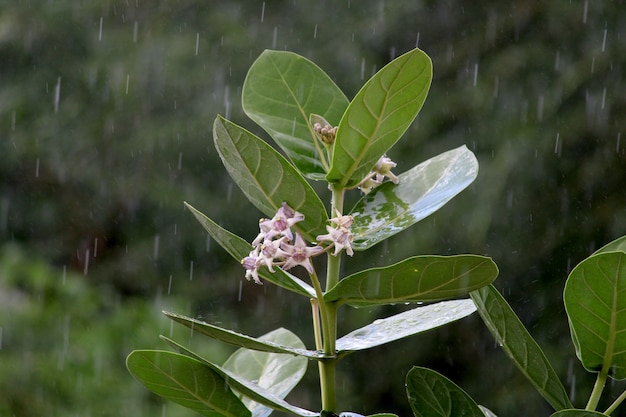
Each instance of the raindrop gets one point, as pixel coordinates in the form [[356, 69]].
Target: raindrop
[[127, 82], [155, 248], [86, 268], [475, 73], [240, 290], [190, 270], [180, 160], [362, 68], [57, 95], [263, 12], [540, 108], [315, 32], [208, 243], [604, 41], [37, 168], [417, 40], [175, 229], [227, 102], [64, 275], [619, 137], [593, 64], [557, 144], [585, 8], [197, 41], [557, 60], [169, 285], [135, 30], [603, 98], [95, 247], [274, 36], [100, 32], [229, 192]]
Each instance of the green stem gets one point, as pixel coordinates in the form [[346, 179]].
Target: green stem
[[615, 404], [594, 398], [328, 312]]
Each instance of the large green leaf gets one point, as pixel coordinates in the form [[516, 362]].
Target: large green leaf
[[422, 190], [238, 248], [595, 301], [405, 324], [246, 387], [433, 395], [420, 278], [379, 115], [577, 413], [274, 372], [519, 345], [185, 381], [280, 92], [267, 178], [241, 340]]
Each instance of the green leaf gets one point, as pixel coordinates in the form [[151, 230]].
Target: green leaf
[[405, 324], [420, 278], [433, 395], [185, 381], [267, 178], [245, 386], [617, 245], [238, 248], [379, 115], [519, 345], [276, 373], [421, 191], [240, 340], [578, 413], [280, 92], [596, 309]]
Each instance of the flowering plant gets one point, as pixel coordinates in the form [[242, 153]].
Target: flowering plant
[[345, 143]]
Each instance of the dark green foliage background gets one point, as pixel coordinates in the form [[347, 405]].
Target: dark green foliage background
[[94, 239]]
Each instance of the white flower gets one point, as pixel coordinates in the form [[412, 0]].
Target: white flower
[[299, 254]]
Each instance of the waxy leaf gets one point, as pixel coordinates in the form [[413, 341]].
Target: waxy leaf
[[405, 324], [578, 413], [595, 301], [421, 191], [433, 395], [519, 345], [420, 278], [238, 339], [379, 115], [185, 381], [267, 178], [246, 387], [280, 92], [238, 248], [274, 372]]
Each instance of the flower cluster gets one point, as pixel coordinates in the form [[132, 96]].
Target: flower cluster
[[326, 133], [277, 245], [376, 176], [340, 236]]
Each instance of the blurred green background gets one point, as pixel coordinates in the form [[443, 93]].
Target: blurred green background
[[106, 110]]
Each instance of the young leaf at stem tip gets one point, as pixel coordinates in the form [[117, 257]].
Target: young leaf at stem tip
[[378, 116]]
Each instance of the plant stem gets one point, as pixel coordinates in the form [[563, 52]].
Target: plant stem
[[598, 387], [329, 318]]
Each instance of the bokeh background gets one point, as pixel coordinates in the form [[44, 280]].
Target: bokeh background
[[106, 110]]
